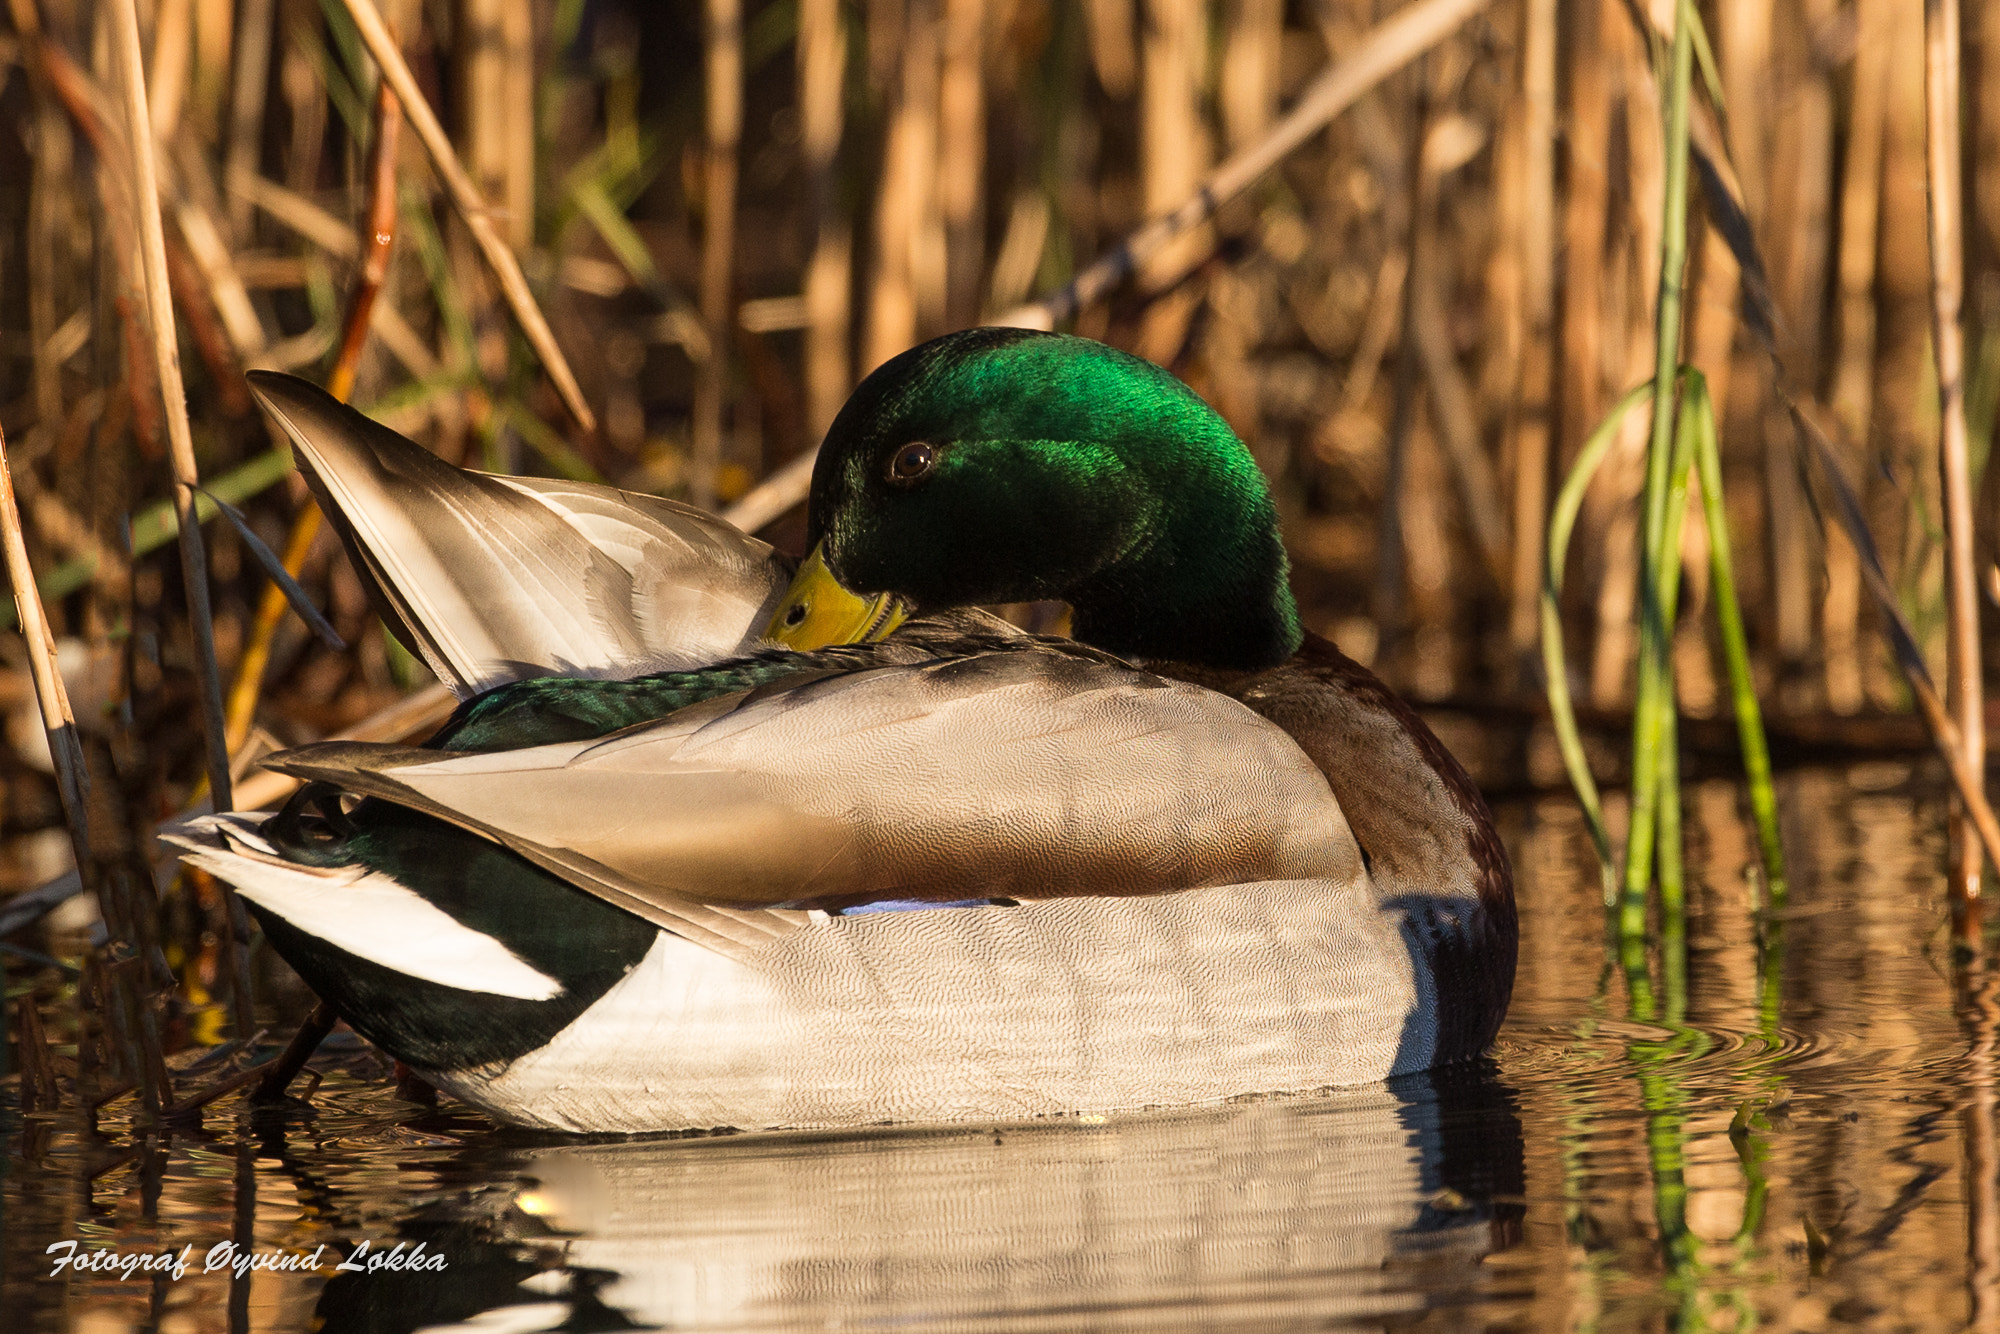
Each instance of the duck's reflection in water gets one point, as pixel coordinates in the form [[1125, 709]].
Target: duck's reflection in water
[[1350, 1205]]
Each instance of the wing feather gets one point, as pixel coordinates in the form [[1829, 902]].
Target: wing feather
[[1018, 772], [494, 579]]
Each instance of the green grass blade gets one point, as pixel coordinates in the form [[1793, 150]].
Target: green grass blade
[[1555, 664], [1667, 561], [597, 207], [1655, 693], [1751, 740], [1668, 847], [345, 92], [1704, 56], [1673, 890], [1982, 400]]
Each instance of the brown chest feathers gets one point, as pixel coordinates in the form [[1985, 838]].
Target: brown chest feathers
[[1423, 828]]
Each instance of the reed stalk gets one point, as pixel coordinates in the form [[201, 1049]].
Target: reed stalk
[[1453, 412], [499, 101], [723, 74], [822, 67], [40, 1092], [1555, 660], [1799, 222], [166, 79], [905, 202], [1113, 53], [1853, 389], [194, 562], [166, 352], [1750, 736], [1175, 149], [471, 206], [141, 1050], [252, 53], [961, 135], [1696, 451], [1533, 409], [52, 144], [1656, 689], [1963, 680], [377, 242], [1665, 561], [275, 1076], [51, 697], [1586, 205], [1251, 54], [1449, 144], [196, 212]]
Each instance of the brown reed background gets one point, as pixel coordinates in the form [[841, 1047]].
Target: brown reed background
[[730, 213]]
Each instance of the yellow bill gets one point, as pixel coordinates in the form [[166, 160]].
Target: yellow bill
[[817, 611]]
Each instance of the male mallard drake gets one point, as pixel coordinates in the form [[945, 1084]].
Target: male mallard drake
[[953, 872]]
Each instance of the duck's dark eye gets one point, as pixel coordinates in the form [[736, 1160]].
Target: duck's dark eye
[[911, 462]]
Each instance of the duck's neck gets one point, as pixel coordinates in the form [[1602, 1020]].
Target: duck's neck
[[1204, 579]]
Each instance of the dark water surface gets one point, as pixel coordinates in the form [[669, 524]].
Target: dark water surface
[[1801, 1137]]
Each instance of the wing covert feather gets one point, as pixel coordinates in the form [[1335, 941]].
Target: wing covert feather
[[1019, 773], [495, 579]]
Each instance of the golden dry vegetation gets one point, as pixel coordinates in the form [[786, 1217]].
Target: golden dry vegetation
[[726, 215]]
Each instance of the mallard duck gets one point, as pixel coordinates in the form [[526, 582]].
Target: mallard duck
[[904, 862]]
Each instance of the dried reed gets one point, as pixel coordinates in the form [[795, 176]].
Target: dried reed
[[194, 561], [376, 242], [471, 207], [724, 126], [822, 62], [1531, 421], [1964, 683]]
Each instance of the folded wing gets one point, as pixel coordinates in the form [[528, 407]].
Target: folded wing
[[1014, 773], [495, 579]]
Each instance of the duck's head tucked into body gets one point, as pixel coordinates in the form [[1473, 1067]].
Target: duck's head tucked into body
[[1000, 465], [953, 871]]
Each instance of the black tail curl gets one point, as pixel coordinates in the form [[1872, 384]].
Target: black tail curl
[[314, 827]]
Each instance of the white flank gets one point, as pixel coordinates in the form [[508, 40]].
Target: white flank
[[371, 916], [955, 1014]]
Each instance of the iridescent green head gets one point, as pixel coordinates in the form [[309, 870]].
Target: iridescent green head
[[1003, 465]]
